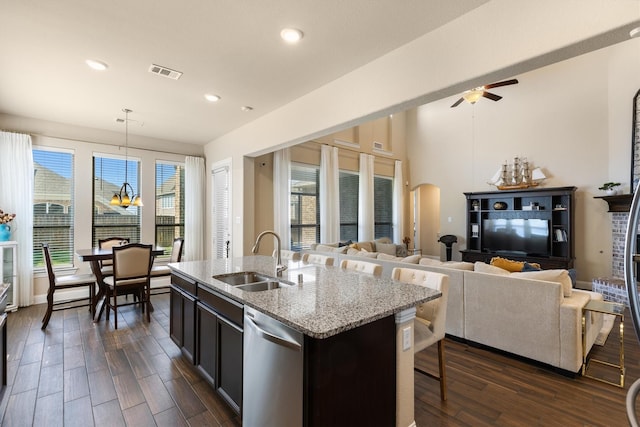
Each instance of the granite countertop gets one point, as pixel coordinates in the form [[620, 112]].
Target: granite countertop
[[329, 301]]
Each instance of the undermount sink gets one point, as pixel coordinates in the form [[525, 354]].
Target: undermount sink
[[250, 281]]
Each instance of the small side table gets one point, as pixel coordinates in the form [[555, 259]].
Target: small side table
[[605, 307]]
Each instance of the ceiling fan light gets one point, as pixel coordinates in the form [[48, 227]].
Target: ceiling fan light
[[472, 96]]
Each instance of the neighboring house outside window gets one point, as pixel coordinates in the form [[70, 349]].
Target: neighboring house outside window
[[112, 220], [53, 206], [305, 212], [349, 205], [383, 206], [169, 206]]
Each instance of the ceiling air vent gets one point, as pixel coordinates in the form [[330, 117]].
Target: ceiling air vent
[[165, 72]]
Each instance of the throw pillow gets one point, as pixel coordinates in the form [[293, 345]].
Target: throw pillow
[[355, 246], [352, 251], [341, 250], [325, 248], [559, 276], [481, 267], [386, 248], [573, 275], [344, 243], [412, 259], [430, 261], [507, 264], [530, 267], [366, 245], [383, 240], [387, 257]]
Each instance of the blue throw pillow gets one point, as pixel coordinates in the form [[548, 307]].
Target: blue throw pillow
[[573, 274], [343, 243], [529, 267]]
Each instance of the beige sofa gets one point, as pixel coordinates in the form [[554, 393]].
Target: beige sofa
[[537, 319], [382, 245]]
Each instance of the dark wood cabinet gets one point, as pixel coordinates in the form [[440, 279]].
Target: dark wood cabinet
[[207, 331], [230, 348], [553, 207], [182, 322]]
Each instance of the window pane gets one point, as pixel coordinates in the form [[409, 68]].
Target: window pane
[[53, 206], [383, 206], [113, 220], [305, 212], [169, 204], [349, 206]]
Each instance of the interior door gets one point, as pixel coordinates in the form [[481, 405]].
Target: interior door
[[221, 220]]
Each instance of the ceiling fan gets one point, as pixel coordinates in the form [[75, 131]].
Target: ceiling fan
[[473, 95]]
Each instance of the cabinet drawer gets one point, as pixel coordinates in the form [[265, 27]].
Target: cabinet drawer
[[222, 305], [183, 284]]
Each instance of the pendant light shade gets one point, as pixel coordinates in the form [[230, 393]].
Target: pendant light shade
[[126, 196]]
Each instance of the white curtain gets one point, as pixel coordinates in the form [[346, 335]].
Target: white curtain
[[366, 217], [194, 201], [282, 196], [16, 196], [398, 202], [329, 195]]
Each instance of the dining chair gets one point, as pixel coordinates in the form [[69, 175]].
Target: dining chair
[[57, 283], [131, 275], [361, 266], [106, 266], [158, 271], [317, 259], [286, 255], [429, 324]]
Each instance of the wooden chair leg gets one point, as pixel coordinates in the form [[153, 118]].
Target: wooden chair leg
[[47, 315], [442, 368], [148, 301], [115, 307]]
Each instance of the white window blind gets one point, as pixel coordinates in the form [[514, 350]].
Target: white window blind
[[349, 187], [53, 206], [112, 220], [221, 211], [383, 202], [169, 204]]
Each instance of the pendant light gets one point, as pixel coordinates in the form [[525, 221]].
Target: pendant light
[[126, 197]]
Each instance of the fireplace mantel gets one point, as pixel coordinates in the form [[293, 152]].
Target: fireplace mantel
[[618, 203]]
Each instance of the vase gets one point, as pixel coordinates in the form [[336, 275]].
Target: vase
[[611, 191], [5, 233]]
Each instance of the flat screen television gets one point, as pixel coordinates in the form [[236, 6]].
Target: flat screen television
[[517, 235]]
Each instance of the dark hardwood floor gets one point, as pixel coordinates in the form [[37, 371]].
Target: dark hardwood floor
[[82, 373]]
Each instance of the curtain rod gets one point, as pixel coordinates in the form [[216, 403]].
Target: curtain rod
[[93, 142]]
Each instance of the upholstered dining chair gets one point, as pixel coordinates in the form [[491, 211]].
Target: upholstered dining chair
[[106, 266], [58, 283], [131, 275], [361, 266], [157, 271], [429, 324], [286, 254], [317, 259]]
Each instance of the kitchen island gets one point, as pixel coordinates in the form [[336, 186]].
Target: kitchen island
[[349, 324]]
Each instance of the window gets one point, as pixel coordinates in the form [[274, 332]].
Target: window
[[383, 206], [305, 212], [112, 220], [349, 205], [53, 206], [169, 203]]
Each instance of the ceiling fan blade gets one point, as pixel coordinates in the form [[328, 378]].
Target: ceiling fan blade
[[502, 83], [491, 96], [457, 102]]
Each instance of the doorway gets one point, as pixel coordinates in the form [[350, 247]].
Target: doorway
[[425, 217]]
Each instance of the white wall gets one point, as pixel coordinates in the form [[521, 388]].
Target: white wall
[[572, 118]]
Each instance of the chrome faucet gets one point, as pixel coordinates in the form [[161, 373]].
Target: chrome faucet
[[279, 266]]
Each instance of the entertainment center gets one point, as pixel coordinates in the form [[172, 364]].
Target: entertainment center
[[533, 225]]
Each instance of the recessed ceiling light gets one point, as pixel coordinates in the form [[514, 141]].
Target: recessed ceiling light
[[211, 98], [96, 65], [291, 35], [246, 108]]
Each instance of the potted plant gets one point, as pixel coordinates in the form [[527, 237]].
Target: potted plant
[[610, 188]]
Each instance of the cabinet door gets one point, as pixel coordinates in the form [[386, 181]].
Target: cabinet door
[[207, 343], [189, 328], [229, 380], [176, 316]]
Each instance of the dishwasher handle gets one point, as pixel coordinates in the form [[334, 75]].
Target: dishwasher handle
[[273, 338]]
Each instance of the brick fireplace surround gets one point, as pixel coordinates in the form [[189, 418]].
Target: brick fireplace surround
[[613, 288]]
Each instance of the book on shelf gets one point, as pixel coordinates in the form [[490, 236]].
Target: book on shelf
[[561, 235]]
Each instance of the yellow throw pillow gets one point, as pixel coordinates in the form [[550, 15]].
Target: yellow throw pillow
[[510, 265], [354, 246]]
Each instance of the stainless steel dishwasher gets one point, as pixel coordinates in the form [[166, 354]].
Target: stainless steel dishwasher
[[272, 372]]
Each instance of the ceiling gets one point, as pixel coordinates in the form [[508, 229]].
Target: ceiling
[[229, 48]]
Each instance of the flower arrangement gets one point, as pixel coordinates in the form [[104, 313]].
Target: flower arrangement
[[406, 241], [6, 217]]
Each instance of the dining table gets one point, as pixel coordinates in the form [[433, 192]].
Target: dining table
[[93, 256]]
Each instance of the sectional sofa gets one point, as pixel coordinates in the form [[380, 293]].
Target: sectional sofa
[[536, 315]]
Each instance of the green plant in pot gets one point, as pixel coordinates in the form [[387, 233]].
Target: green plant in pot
[[610, 188]]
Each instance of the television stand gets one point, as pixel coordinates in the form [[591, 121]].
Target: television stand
[[554, 205]]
